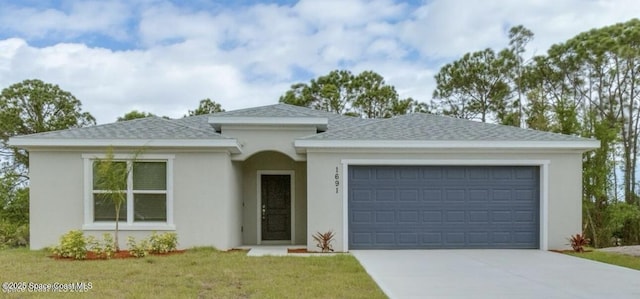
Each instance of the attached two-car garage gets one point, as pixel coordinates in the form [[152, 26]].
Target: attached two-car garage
[[412, 207]]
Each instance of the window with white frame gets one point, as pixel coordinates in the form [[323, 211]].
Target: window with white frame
[[146, 190]]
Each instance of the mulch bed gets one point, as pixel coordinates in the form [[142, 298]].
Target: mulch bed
[[122, 254], [298, 250], [303, 250], [237, 250]]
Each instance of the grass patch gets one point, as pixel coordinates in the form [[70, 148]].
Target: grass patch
[[618, 259], [199, 272]]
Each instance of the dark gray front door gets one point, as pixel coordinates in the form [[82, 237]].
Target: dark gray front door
[[443, 207], [276, 207]]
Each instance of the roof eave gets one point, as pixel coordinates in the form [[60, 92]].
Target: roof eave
[[320, 123], [230, 144], [582, 145]]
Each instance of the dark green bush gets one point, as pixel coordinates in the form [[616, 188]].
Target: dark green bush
[[13, 234]]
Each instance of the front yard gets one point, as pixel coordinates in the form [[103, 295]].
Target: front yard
[[618, 259], [201, 272]]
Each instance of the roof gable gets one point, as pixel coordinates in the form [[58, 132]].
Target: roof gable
[[335, 121]]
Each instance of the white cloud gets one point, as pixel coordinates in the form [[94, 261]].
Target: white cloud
[[347, 13], [164, 22], [249, 55], [105, 17], [449, 28]]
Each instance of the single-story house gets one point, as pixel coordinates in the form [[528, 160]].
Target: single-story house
[[279, 174]]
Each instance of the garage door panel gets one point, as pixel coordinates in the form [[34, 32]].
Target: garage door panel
[[361, 238], [454, 173], [361, 217], [385, 174], [432, 238], [478, 238], [524, 216], [409, 173], [410, 238], [498, 237], [431, 173], [479, 217], [454, 238], [443, 207], [479, 173], [455, 194], [430, 217], [385, 217], [522, 237], [501, 216], [454, 217], [408, 217], [385, 238], [502, 174], [501, 195], [525, 173], [432, 195], [409, 195], [479, 194], [524, 194], [360, 174], [385, 195], [361, 195]]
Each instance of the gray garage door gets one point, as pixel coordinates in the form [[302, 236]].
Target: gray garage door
[[405, 207]]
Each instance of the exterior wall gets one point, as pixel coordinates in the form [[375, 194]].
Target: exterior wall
[[565, 199], [206, 210], [326, 206], [204, 203], [255, 139], [236, 209], [56, 203], [273, 161]]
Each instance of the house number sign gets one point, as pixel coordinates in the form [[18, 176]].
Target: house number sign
[[337, 177]]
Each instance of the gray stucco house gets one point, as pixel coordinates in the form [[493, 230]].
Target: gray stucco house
[[278, 174]]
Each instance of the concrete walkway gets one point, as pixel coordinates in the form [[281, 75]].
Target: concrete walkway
[[279, 250], [495, 274]]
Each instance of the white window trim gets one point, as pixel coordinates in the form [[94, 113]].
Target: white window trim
[[543, 181], [89, 224]]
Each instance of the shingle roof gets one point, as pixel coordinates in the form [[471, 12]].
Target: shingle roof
[[420, 126], [417, 126], [143, 128]]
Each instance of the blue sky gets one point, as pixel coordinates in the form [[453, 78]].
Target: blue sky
[[164, 56]]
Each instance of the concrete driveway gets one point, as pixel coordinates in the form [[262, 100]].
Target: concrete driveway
[[495, 274]]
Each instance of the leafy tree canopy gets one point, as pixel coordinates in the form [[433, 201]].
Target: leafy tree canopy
[[134, 114], [365, 95], [33, 106], [206, 106]]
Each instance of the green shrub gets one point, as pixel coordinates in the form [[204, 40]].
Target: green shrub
[[108, 246], [103, 249], [13, 234], [73, 245], [163, 243], [136, 249]]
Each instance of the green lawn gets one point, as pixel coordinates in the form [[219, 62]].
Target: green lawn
[[201, 272], [623, 260]]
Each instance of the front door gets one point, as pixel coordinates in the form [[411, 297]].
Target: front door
[[276, 206]]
